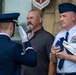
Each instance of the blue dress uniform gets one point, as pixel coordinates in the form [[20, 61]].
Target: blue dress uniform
[[12, 54]]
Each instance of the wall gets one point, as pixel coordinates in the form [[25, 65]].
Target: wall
[[51, 16]]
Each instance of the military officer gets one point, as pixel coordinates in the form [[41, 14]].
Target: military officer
[[12, 54], [66, 60]]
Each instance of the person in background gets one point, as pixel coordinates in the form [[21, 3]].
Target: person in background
[[66, 60], [12, 54], [41, 41]]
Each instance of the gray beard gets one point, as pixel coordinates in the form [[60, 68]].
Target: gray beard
[[29, 27]]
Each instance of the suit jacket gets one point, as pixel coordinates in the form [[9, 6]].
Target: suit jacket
[[11, 57]]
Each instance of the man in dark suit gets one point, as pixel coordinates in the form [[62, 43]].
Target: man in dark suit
[[12, 54]]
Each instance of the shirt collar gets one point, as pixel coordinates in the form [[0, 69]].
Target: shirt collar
[[5, 34], [36, 31], [72, 30]]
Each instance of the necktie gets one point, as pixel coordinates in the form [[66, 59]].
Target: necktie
[[66, 37], [61, 62]]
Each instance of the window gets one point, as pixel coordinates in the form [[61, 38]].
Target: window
[[21, 6]]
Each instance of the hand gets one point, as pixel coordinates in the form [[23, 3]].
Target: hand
[[55, 50], [62, 55], [22, 34], [53, 58]]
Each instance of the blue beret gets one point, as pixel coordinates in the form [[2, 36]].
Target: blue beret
[[66, 7], [9, 17]]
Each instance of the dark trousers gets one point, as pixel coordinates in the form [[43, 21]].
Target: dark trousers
[[65, 73]]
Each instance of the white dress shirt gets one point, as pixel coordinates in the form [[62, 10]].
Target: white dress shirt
[[69, 66]]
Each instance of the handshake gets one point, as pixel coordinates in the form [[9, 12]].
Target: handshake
[[22, 34], [68, 47]]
